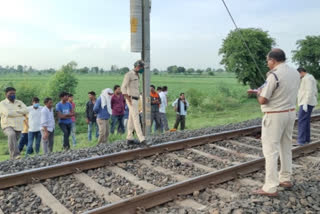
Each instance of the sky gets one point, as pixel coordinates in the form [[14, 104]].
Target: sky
[[50, 33]]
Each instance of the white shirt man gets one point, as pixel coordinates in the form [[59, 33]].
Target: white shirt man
[[34, 126], [162, 110]]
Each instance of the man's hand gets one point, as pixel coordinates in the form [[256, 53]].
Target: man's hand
[[128, 98], [88, 121], [46, 135], [305, 107]]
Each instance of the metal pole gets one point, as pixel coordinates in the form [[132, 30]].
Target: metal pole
[[145, 55]]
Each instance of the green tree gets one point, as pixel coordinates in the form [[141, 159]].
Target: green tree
[[190, 70], [181, 70], [307, 55], [63, 80], [172, 69], [236, 58], [199, 71]]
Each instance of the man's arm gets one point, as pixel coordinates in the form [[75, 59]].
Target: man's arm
[[262, 100], [97, 106]]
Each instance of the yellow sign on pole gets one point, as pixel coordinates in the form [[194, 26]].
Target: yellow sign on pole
[[136, 25]]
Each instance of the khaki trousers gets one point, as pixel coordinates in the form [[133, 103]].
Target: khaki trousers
[[276, 139], [13, 137], [134, 121], [103, 130]]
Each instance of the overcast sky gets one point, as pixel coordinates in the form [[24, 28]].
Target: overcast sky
[[49, 33]]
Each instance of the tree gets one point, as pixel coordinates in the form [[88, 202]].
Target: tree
[[208, 70], [190, 70], [155, 71], [307, 55], [181, 70], [19, 68], [63, 80], [199, 71], [172, 69], [124, 70], [236, 58]]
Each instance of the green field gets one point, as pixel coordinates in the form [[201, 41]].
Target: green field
[[214, 100]]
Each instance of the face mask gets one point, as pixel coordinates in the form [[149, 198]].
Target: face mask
[[36, 105], [12, 97], [141, 70]]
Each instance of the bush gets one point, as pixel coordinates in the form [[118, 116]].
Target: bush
[[194, 97], [25, 93]]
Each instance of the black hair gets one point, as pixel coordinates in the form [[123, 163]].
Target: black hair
[[152, 86], [277, 54], [10, 89], [159, 88], [181, 94], [139, 63], [35, 99], [301, 69], [62, 94], [116, 87], [92, 93], [70, 95], [47, 100], [164, 88]]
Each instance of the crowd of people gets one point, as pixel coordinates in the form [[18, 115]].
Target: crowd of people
[[114, 111]]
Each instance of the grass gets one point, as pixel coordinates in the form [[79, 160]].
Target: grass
[[214, 100]]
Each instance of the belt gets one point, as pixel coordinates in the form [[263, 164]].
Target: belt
[[135, 98], [271, 112]]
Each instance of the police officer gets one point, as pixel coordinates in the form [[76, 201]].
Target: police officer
[[278, 100], [130, 90]]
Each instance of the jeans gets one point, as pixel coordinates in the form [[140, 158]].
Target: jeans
[[304, 125], [90, 130], [66, 129], [23, 141], [73, 133], [31, 137], [117, 119]]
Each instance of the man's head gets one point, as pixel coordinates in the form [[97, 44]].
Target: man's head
[[182, 97], [164, 88], [117, 89], [64, 96], [152, 88], [92, 95], [139, 66], [70, 97], [48, 102], [35, 102], [10, 93], [302, 71], [159, 89], [275, 57]]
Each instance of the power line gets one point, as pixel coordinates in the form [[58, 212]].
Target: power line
[[242, 38]]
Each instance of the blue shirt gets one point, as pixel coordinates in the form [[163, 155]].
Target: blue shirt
[[102, 113], [64, 109]]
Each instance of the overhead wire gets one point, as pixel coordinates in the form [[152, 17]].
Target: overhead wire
[[243, 40]]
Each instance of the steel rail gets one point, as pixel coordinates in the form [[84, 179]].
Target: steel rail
[[169, 193]]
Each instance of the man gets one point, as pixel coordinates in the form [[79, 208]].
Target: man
[[130, 90], [278, 101], [307, 100], [101, 109], [180, 106], [73, 119], [162, 109], [12, 114], [34, 126], [91, 116], [47, 126], [118, 106], [155, 103], [65, 113]]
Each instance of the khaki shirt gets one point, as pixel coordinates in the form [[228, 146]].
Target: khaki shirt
[[130, 84], [285, 96], [12, 114], [308, 92]]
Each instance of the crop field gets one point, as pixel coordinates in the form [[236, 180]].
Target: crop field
[[214, 100]]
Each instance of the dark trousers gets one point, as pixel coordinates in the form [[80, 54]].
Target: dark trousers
[[23, 141], [31, 137], [66, 129], [117, 119], [156, 117], [182, 120], [304, 125]]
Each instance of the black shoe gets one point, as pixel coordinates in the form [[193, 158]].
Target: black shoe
[[132, 142]]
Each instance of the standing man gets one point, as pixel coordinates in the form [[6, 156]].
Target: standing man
[[47, 126], [73, 119], [130, 90], [162, 109], [34, 126], [155, 104], [101, 109], [307, 100], [180, 106], [65, 113], [118, 106], [91, 116], [12, 114], [278, 101]]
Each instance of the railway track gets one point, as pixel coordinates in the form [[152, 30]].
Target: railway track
[[136, 180]]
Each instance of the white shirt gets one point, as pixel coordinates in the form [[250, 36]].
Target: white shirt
[[34, 118], [308, 92], [182, 108], [164, 103], [47, 119]]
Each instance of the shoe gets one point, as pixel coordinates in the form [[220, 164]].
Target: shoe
[[132, 142], [261, 192], [286, 184]]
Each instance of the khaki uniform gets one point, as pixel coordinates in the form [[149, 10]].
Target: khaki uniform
[[130, 86], [277, 124]]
